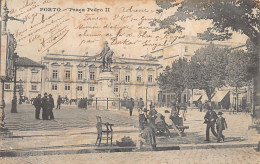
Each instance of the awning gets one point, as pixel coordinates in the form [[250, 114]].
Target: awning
[[196, 97], [218, 97]]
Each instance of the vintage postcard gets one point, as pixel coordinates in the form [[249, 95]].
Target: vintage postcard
[[140, 81]]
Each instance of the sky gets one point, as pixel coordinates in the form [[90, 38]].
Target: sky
[[81, 27]]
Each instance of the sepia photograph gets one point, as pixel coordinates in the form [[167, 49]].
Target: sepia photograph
[[129, 81]]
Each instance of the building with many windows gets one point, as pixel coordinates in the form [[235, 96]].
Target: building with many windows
[[75, 76], [28, 80]]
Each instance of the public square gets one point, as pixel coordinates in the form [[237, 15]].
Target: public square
[[71, 136]]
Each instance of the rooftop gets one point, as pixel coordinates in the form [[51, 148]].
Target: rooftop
[[26, 62]]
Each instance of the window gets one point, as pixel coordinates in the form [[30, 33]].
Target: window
[[34, 88], [55, 74], [117, 77], [91, 88], [127, 78], [79, 88], [67, 87], [186, 48], [150, 78], [116, 89], [54, 87], [7, 86], [67, 74], [92, 75], [80, 75], [34, 76], [139, 78]]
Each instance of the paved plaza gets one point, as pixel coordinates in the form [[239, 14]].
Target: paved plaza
[[70, 138]]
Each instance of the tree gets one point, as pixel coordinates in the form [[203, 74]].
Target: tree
[[210, 63], [227, 16], [236, 71], [173, 78]]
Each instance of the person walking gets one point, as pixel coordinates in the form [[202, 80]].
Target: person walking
[[37, 104], [45, 107], [221, 125], [59, 100], [50, 107], [210, 120], [131, 106]]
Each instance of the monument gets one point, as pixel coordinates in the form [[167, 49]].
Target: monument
[[105, 92]]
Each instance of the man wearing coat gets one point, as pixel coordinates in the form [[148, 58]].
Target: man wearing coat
[[131, 106], [50, 107], [59, 100], [221, 125], [45, 107], [37, 104], [210, 120]]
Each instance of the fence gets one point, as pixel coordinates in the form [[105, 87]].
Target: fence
[[104, 103]]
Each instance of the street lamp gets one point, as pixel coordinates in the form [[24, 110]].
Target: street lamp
[[14, 101], [20, 91], [125, 94]]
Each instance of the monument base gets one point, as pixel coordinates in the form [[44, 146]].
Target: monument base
[[105, 93]]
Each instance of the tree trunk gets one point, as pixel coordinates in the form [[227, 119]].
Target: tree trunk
[[209, 94]]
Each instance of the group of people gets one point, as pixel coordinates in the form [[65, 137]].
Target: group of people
[[45, 103], [151, 122], [212, 119]]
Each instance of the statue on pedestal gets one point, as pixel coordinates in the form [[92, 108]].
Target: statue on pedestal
[[106, 56]]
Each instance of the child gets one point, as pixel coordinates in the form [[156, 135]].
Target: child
[[221, 125]]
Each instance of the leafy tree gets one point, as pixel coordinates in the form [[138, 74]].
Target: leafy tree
[[173, 78], [210, 63], [227, 16], [236, 70]]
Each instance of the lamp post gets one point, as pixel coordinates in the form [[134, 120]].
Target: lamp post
[[14, 101], [125, 94], [20, 91]]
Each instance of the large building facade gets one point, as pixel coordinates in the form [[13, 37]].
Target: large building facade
[[28, 80], [75, 76]]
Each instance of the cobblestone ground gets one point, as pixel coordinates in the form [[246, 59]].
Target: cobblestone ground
[[200, 156], [75, 128]]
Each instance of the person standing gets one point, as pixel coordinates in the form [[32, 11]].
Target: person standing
[[200, 105], [50, 107], [37, 104], [221, 125], [45, 107], [140, 105], [131, 106], [210, 120], [59, 100]]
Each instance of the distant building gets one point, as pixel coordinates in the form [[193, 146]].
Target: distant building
[[75, 76], [185, 48], [28, 80]]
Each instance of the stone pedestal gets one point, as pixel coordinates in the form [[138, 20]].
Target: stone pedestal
[[105, 91]]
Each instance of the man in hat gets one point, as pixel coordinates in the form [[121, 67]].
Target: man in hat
[[37, 104], [45, 107], [140, 105], [131, 106], [210, 120], [59, 100], [50, 107], [221, 125]]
